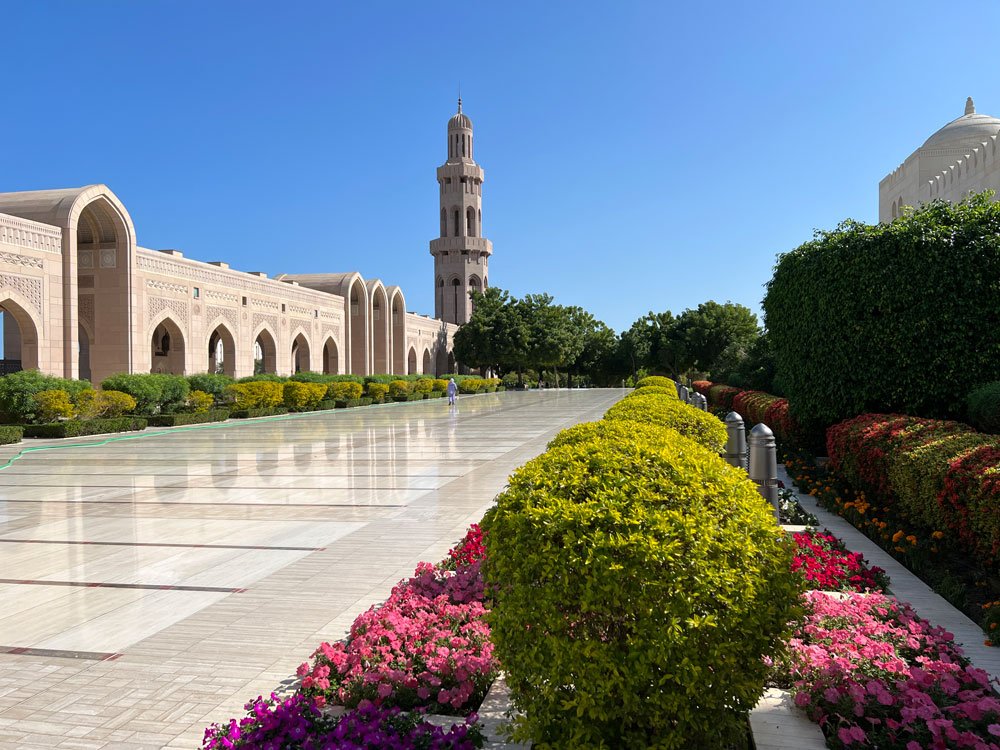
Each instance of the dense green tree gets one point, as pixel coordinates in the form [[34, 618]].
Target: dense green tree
[[496, 336], [595, 361], [715, 335], [553, 340]]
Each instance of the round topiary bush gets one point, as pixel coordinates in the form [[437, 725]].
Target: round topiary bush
[[658, 380], [637, 588], [614, 430], [984, 407], [655, 408], [648, 389]]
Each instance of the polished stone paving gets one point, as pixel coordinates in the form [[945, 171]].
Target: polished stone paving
[[151, 586]]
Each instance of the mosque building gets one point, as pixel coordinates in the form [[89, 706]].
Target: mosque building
[[959, 159], [82, 299]]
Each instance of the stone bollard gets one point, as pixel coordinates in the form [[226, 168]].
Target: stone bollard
[[682, 393], [736, 445], [764, 463], [678, 386]]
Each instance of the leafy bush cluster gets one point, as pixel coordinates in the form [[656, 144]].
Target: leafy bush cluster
[[77, 428], [17, 393], [11, 434], [638, 580], [756, 407], [940, 476], [852, 325], [984, 407]]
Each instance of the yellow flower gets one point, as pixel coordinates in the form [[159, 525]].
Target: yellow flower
[[938, 535]]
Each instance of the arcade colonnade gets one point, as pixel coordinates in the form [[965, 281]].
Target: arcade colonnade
[[81, 299]]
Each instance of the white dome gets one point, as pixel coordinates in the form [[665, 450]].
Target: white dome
[[965, 132]]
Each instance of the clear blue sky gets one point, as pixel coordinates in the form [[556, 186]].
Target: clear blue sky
[[638, 156]]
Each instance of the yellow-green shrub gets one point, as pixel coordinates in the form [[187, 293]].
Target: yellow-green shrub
[[471, 385], [303, 396], [614, 429], [346, 391], [648, 389], [53, 404], [91, 404], [377, 391], [659, 381], [441, 386], [659, 409], [399, 389], [200, 402], [637, 587], [257, 394], [423, 385]]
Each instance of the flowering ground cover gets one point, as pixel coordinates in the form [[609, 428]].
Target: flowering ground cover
[[425, 649], [827, 564], [875, 675]]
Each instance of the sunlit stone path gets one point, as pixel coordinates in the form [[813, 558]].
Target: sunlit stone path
[[150, 586]]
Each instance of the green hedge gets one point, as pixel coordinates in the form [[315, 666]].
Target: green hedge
[[659, 409], [352, 402], [890, 317], [153, 392], [637, 586], [984, 407], [11, 434], [76, 428], [251, 413], [182, 418], [17, 392]]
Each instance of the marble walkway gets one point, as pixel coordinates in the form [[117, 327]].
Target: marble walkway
[[151, 586]]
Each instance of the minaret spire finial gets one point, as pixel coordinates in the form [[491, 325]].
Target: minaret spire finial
[[970, 106], [460, 98]]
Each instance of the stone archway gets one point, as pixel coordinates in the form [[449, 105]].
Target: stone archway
[[222, 351], [331, 358], [358, 327], [380, 329], [85, 341], [397, 304], [411, 362], [300, 354], [265, 353], [21, 341], [427, 367], [167, 348]]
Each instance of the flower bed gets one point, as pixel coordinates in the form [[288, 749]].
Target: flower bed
[[873, 674], [827, 564]]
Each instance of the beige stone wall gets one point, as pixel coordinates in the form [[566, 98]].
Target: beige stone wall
[[88, 301]]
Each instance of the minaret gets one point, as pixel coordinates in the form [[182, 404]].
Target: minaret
[[461, 253]]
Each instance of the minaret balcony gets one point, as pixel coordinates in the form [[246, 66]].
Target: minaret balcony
[[457, 244]]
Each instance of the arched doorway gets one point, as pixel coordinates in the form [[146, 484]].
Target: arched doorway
[[398, 330], [331, 360], [380, 329], [358, 321], [451, 363], [300, 354], [167, 348], [411, 362], [265, 353], [427, 368], [20, 339], [222, 352]]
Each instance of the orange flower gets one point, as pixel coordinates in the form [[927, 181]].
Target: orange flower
[[912, 540], [938, 535], [897, 536]]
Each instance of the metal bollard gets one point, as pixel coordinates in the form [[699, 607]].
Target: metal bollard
[[678, 386], [736, 445], [682, 393], [703, 402], [764, 463]]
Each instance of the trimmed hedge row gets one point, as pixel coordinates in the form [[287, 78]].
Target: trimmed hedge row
[[984, 407], [183, 418], [940, 475], [756, 407], [76, 428], [11, 434], [638, 581], [259, 412]]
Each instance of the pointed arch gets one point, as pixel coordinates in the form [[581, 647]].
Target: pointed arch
[[301, 355], [378, 340], [265, 351], [221, 348], [426, 367], [397, 329], [470, 222], [166, 345], [356, 301], [411, 362], [22, 329], [331, 357]]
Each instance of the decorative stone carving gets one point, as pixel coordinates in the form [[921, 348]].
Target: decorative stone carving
[[15, 259], [157, 305], [109, 258], [86, 258], [265, 304], [166, 286], [271, 320], [87, 308], [32, 235], [213, 312], [27, 287], [221, 296], [302, 312]]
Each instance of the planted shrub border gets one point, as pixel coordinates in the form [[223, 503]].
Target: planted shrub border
[[10, 434], [253, 413], [76, 428], [183, 418]]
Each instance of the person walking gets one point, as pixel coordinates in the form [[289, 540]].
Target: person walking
[[452, 391]]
